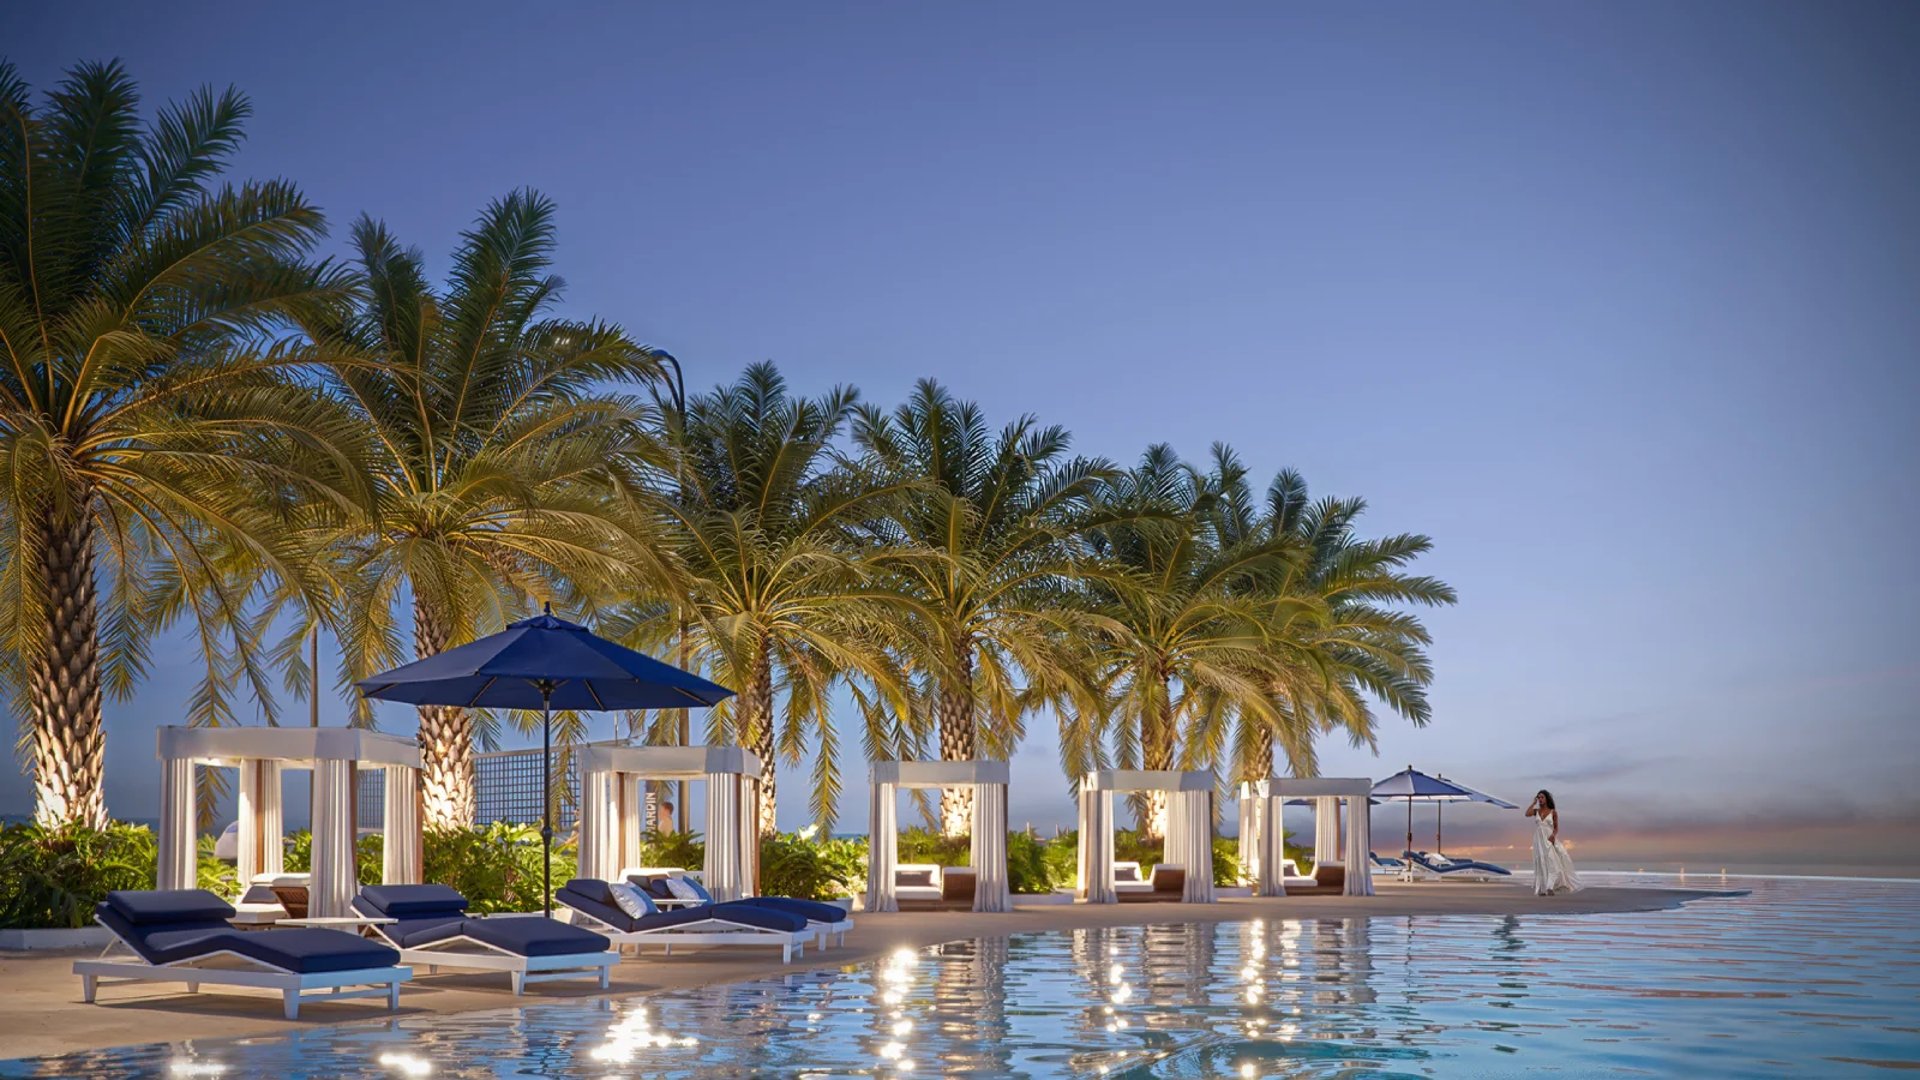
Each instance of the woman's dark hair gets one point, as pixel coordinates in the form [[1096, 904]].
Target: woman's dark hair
[[1547, 795]]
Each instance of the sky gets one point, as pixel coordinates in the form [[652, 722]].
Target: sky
[[1616, 302]]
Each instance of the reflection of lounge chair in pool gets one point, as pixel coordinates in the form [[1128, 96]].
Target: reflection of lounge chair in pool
[[182, 935], [432, 928], [825, 920], [1442, 867], [733, 923]]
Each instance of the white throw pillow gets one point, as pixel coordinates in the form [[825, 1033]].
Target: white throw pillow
[[631, 900], [682, 889]]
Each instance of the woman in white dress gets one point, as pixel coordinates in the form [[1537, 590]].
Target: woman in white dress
[[1552, 866]]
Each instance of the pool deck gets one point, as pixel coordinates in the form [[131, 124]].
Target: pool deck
[[41, 1011]]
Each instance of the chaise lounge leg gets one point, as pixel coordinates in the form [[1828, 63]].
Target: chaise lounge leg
[[393, 996], [606, 976], [519, 982], [786, 954], [193, 988], [291, 1000], [89, 986]]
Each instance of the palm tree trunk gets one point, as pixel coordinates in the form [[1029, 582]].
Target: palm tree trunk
[[756, 725], [63, 684], [1156, 751], [446, 738], [957, 741], [1259, 763]]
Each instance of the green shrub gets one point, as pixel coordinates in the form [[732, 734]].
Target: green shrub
[[795, 865], [369, 865], [1062, 857], [1027, 869], [496, 867], [52, 878], [919, 845], [684, 850]]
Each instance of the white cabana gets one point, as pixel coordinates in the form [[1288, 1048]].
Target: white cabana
[[988, 857], [1325, 794], [613, 809], [1188, 843], [262, 754]]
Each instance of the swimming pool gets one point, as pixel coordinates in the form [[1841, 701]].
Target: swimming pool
[[1802, 977]]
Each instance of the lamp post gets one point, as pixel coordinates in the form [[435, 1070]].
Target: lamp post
[[679, 389]]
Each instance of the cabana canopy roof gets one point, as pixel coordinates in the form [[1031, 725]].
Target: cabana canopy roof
[[1147, 780], [938, 774], [229, 746], [1313, 787], [671, 762]]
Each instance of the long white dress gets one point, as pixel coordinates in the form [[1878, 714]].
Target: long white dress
[[1552, 866]]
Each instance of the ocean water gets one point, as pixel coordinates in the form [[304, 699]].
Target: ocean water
[[1800, 977]]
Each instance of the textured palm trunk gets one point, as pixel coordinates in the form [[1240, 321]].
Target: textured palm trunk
[[63, 684], [446, 739], [957, 741], [756, 722], [1259, 763], [1156, 752]]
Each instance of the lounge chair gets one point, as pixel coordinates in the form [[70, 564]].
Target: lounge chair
[[1384, 866], [182, 935], [1468, 869], [432, 928], [270, 898], [1127, 878], [1167, 884], [917, 885], [825, 920], [732, 923]]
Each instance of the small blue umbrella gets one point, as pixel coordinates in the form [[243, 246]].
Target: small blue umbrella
[[544, 663], [1411, 786]]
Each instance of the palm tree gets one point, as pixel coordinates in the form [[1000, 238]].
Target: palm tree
[[494, 427], [165, 449], [1345, 640], [1001, 512], [1185, 610], [766, 522]]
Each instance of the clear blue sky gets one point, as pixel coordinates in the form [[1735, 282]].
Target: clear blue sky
[[1617, 301]]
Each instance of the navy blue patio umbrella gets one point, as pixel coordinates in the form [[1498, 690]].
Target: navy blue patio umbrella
[[1411, 786], [544, 663]]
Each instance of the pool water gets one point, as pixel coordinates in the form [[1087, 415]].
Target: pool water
[[1802, 977]]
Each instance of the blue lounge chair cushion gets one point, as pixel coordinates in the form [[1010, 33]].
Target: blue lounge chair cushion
[[578, 895], [169, 905], [581, 895], [811, 910], [528, 935], [306, 952], [400, 901], [591, 888]]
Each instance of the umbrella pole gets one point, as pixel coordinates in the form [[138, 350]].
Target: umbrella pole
[[546, 797], [1439, 809]]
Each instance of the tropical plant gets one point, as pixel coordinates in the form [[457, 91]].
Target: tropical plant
[[368, 858], [167, 452], [763, 518], [1027, 870], [51, 877], [496, 867], [493, 427], [1001, 511], [1184, 612], [682, 849], [811, 869]]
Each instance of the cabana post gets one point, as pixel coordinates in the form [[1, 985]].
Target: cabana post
[[262, 755], [613, 810], [1188, 843], [988, 855]]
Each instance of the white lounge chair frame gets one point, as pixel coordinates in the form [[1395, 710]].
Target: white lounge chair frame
[[248, 971], [791, 944], [463, 953], [822, 931]]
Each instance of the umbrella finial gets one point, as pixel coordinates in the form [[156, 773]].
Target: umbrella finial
[[547, 607]]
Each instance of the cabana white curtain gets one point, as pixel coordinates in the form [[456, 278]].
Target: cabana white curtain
[[178, 855], [1326, 830], [883, 839], [330, 893], [1251, 805], [272, 827], [633, 825], [257, 812], [989, 853], [1189, 842], [1096, 846], [1359, 880], [400, 851], [724, 872], [1269, 841], [598, 830]]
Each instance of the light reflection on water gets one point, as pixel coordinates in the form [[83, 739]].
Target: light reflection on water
[[1801, 978]]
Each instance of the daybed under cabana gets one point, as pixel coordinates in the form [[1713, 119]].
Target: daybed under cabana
[[262, 754], [989, 853], [613, 808], [1347, 875], [1188, 845]]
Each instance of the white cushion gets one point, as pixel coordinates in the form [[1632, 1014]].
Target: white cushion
[[631, 900], [681, 890]]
